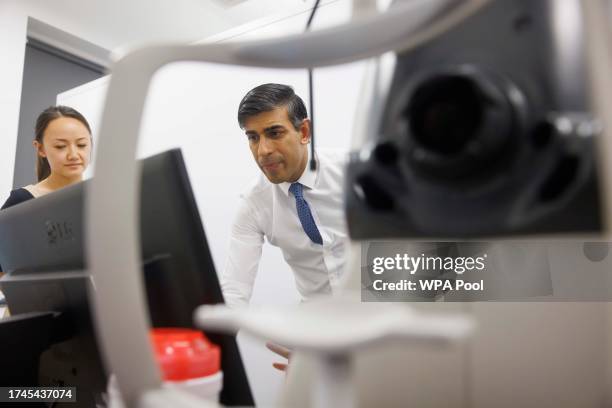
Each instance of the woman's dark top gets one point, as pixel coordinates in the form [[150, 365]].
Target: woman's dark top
[[17, 196]]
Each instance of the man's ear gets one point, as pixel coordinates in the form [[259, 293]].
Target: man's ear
[[305, 131], [39, 148]]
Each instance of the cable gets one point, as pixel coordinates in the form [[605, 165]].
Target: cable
[[312, 14], [313, 161]]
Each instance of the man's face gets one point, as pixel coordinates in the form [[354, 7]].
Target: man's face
[[278, 148]]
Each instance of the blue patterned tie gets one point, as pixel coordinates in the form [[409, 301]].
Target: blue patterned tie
[[308, 223]]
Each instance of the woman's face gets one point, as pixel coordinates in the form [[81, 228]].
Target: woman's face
[[67, 146]]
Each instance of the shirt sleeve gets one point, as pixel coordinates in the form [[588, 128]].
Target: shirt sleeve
[[244, 253]]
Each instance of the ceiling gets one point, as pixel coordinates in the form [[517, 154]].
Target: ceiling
[[119, 23]]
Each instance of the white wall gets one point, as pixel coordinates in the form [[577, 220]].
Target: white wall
[[108, 24], [13, 26], [193, 106]]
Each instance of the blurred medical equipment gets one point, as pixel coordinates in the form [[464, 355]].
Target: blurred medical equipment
[[475, 141]]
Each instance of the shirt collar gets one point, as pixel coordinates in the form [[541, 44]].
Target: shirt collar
[[308, 178]]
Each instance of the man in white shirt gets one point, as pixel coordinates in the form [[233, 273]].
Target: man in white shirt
[[295, 208]]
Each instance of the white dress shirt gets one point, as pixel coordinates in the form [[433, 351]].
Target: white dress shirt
[[268, 210]]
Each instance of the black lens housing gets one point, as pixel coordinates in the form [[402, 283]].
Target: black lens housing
[[457, 124]]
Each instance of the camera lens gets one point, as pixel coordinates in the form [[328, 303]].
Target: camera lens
[[458, 124], [446, 113]]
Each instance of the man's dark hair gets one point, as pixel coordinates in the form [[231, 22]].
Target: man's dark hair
[[267, 97]]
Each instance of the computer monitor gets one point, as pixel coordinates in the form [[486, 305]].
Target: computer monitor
[[42, 252]]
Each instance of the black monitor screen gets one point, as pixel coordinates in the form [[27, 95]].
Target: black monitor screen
[[41, 250]]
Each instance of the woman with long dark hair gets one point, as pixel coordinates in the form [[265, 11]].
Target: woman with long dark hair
[[63, 147]]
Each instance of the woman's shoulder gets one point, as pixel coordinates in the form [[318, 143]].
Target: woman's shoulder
[[17, 196]]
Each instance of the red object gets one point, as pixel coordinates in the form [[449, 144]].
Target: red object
[[185, 354]]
